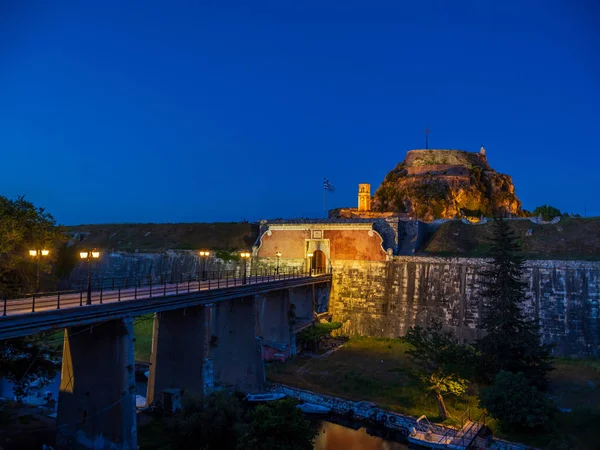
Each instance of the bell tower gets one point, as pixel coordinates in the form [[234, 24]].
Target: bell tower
[[364, 197]]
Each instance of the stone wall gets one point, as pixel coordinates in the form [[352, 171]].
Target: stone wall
[[386, 298], [438, 169]]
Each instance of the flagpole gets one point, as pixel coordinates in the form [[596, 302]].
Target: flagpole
[[324, 202]]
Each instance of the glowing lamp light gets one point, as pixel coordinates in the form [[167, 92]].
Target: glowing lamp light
[[32, 252], [278, 254], [95, 254], [83, 255], [204, 253], [45, 252], [245, 255], [310, 255]]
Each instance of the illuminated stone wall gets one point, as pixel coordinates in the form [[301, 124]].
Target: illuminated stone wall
[[385, 298]]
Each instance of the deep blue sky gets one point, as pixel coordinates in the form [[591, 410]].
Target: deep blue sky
[[121, 111]]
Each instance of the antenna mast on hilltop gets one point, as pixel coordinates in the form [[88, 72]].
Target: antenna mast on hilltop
[[427, 131]]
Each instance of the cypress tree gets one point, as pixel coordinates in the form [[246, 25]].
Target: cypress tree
[[512, 342]]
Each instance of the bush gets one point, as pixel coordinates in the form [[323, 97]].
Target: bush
[[548, 212], [213, 422], [279, 425], [515, 402]]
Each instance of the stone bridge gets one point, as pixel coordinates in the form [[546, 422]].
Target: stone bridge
[[205, 333]]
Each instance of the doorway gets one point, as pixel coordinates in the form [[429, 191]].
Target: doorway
[[319, 262]]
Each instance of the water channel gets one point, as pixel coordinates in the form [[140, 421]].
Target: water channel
[[331, 436]]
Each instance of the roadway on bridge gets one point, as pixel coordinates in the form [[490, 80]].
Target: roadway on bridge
[[24, 306]]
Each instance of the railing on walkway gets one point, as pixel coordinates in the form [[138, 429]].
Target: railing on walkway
[[108, 290]]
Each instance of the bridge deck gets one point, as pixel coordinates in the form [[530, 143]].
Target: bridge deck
[[68, 309]]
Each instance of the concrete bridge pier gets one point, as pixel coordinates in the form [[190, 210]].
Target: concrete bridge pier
[[235, 348], [96, 401], [181, 352], [304, 299], [276, 322]]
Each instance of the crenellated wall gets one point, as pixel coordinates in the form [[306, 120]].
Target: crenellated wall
[[386, 298]]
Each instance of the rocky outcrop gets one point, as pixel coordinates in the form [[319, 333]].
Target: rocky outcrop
[[443, 184]]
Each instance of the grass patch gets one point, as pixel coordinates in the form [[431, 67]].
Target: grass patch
[[570, 239], [142, 330], [375, 369]]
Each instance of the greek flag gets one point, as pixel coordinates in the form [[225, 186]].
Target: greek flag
[[328, 186]]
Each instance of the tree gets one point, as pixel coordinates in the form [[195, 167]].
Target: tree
[[25, 227], [548, 212], [512, 342], [211, 423], [278, 425], [515, 402], [313, 335], [439, 361]]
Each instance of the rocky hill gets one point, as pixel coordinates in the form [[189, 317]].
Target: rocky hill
[[443, 184]]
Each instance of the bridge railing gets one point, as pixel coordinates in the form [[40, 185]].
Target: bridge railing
[[115, 289]]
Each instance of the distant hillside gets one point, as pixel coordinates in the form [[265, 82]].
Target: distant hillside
[[571, 238], [158, 237]]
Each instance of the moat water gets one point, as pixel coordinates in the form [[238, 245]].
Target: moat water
[[331, 436]]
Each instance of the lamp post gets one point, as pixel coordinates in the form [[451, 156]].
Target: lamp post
[[37, 254], [278, 256], [310, 256], [204, 254], [245, 256], [89, 256]]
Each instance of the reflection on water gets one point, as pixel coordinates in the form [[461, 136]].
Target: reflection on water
[[337, 437]]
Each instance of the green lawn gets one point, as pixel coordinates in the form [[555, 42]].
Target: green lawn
[[142, 329], [375, 370]]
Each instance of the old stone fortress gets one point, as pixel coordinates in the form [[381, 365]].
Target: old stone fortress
[[381, 289], [383, 281]]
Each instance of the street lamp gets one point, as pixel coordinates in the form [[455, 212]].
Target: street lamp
[[278, 256], [89, 256], [310, 255], [245, 256], [37, 254], [204, 254]]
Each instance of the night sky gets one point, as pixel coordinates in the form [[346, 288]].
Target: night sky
[[123, 111]]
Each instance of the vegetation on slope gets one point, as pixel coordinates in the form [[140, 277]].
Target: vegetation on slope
[[571, 238], [158, 237], [378, 370], [449, 184]]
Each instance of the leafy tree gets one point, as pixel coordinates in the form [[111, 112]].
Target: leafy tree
[[515, 402], [439, 361], [512, 342], [211, 423], [279, 425], [548, 212], [23, 227], [313, 335]]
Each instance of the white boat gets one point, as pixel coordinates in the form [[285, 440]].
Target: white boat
[[140, 401], [313, 408], [423, 435], [271, 396]]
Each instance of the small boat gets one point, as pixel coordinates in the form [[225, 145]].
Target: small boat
[[140, 401], [423, 435], [271, 396], [313, 408]]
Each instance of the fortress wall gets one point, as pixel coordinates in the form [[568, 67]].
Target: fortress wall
[[445, 169], [384, 299], [445, 157]]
